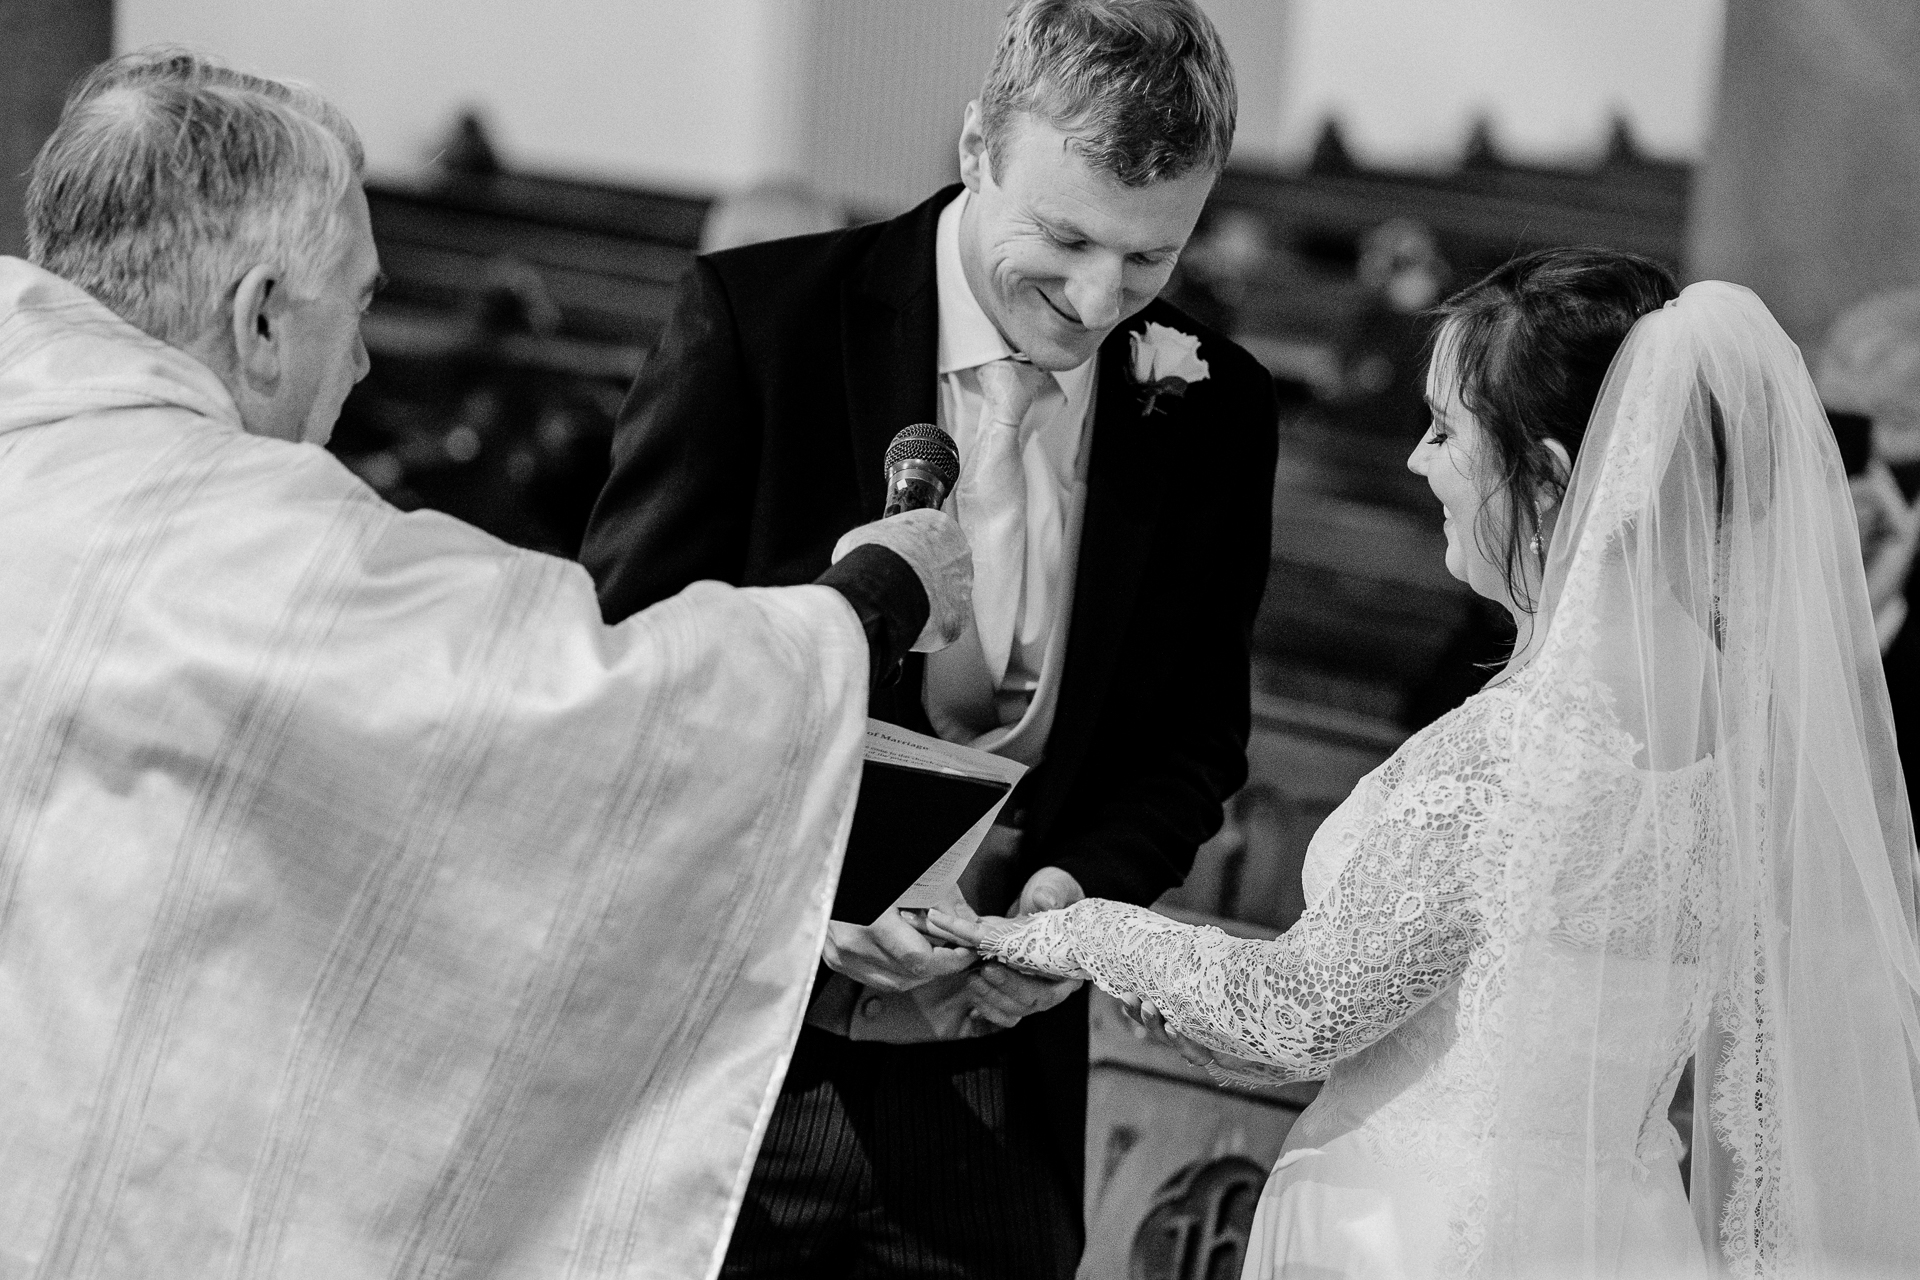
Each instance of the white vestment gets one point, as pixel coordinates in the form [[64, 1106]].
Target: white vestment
[[367, 907]]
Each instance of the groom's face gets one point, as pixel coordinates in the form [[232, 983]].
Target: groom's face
[[1058, 252]]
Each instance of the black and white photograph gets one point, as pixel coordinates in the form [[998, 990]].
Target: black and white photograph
[[959, 639]]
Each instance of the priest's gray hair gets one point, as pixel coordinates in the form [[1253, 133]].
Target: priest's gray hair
[[170, 176], [1143, 87]]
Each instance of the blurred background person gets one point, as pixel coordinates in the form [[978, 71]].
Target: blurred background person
[[1868, 370], [1227, 253]]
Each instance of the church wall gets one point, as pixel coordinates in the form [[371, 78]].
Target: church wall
[[1812, 226], [683, 95], [865, 95], [886, 84], [1407, 78]]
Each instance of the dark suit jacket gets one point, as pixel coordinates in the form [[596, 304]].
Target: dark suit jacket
[[754, 438]]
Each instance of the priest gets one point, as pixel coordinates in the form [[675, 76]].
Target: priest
[[367, 906]]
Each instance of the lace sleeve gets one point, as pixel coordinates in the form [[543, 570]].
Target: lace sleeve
[[1250, 1075], [1395, 928]]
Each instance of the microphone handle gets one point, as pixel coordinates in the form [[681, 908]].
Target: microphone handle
[[912, 486]]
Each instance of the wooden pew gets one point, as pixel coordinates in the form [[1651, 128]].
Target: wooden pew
[[606, 257], [517, 312]]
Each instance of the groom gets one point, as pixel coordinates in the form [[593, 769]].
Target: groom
[[1116, 484]]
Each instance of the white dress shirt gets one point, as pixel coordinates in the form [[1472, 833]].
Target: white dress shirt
[[1013, 716], [1010, 717]]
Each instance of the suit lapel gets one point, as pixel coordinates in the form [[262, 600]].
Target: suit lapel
[[889, 325], [890, 318], [1123, 506]]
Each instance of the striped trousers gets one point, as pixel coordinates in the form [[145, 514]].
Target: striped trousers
[[901, 1161]]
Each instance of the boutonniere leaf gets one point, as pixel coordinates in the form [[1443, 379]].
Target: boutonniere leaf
[[1165, 363]]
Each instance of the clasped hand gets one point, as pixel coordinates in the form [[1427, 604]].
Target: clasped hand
[[891, 954], [962, 926], [904, 950]]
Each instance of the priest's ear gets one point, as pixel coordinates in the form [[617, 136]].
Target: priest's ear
[[259, 335]]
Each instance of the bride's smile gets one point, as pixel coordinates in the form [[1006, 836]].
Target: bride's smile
[[1448, 458]]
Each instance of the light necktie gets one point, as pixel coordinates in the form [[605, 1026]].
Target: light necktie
[[992, 502]]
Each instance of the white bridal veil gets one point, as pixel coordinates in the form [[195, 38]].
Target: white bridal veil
[[1710, 683]]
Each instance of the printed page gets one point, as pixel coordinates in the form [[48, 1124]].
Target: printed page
[[890, 744], [934, 888]]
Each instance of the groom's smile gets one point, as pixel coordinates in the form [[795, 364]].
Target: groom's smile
[[1058, 252], [1059, 310]]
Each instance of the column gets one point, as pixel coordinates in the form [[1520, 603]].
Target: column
[[1810, 193]]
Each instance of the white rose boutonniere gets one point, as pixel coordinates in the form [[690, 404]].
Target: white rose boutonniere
[[1165, 363]]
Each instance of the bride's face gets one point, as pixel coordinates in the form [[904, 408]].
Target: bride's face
[[1451, 458]]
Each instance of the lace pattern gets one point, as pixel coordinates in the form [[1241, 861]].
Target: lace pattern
[[1393, 930], [1756, 1233], [1683, 811], [1454, 868]]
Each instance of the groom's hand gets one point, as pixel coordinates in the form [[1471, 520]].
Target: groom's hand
[[890, 954], [1003, 996], [1048, 889]]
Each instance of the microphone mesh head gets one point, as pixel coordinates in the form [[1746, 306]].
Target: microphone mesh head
[[927, 444]]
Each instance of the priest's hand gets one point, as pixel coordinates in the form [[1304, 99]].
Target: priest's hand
[[890, 954], [931, 543]]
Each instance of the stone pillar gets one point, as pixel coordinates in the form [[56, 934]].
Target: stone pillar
[[44, 44], [1810, 193]]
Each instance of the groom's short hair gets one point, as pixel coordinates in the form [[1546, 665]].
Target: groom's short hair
[[1143, 87], [170, 176]]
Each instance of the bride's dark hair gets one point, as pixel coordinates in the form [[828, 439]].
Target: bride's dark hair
[[1529, 347]]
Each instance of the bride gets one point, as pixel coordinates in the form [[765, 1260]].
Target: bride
[[1672, 827]]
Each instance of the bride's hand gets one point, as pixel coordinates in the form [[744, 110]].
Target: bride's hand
[[1040, 945], [965, 928], [1143, 1012], [962, 926]]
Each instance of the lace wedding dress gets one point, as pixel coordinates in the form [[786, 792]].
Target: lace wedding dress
[[1365, 992], [1679, 831]]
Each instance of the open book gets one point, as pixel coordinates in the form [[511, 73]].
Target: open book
[[925, 805]]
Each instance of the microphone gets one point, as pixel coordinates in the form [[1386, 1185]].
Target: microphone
[[922, 465]]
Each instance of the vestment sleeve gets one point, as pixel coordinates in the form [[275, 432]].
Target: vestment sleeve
[[887, 597], [1393, 931], [677, 503]]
